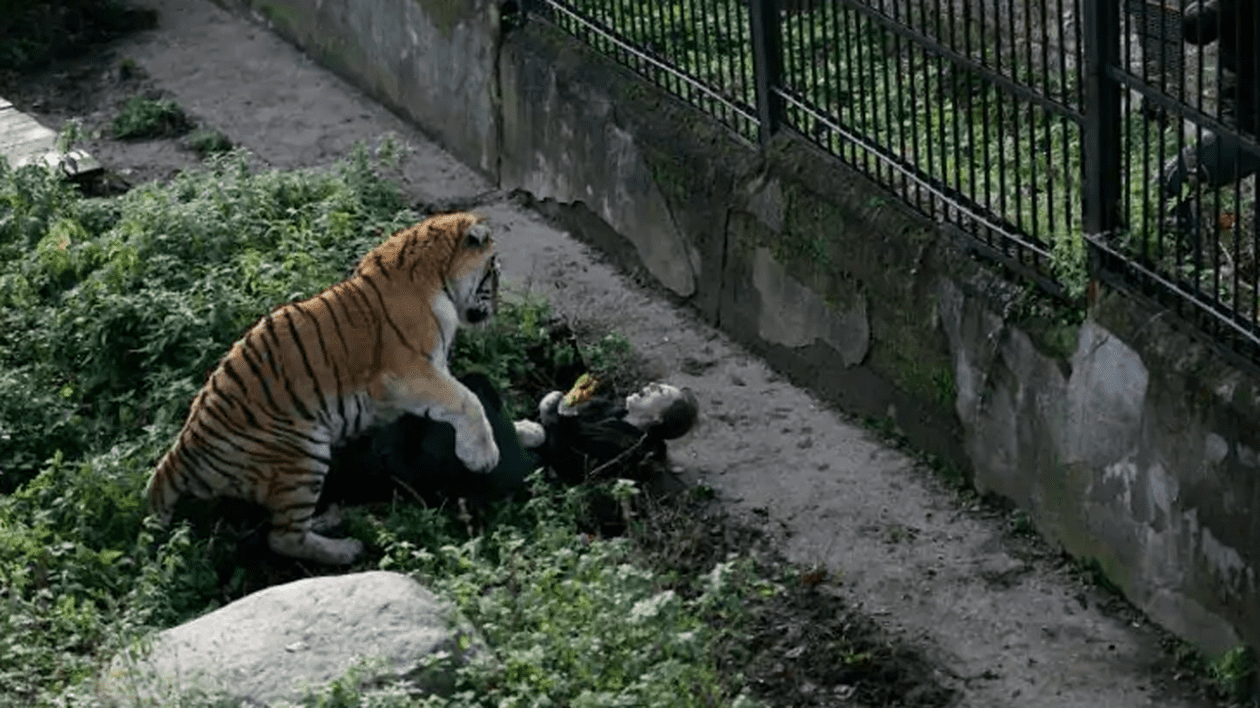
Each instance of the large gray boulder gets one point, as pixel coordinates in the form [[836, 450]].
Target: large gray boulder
[[279, 643]]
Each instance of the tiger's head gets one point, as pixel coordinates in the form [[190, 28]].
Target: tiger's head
[[473, 283], [451, 254]]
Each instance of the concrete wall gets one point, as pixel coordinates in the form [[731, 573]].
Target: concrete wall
[[1127, 440], [432, 62]]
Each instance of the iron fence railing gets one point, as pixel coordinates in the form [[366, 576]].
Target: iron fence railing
[[697, 49], [976, 133], [1186, 232], [1030, 127]]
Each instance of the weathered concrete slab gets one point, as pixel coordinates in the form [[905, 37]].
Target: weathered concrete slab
[[24, 141]]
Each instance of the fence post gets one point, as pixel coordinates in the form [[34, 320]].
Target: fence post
[[767, 65], [1102, 130]]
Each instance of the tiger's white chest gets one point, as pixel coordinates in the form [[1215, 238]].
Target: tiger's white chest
[[360, 412], [448, 323]]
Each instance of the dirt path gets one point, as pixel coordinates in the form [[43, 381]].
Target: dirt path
[[1008, 622]]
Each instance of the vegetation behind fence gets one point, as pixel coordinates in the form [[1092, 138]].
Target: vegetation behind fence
[[1042, 131]]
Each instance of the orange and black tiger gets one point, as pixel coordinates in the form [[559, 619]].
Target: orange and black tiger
[[315, 373]]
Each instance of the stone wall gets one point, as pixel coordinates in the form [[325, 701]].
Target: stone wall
[[1128, 441]]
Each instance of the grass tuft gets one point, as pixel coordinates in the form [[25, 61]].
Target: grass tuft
[[143, 117], [206, 142]]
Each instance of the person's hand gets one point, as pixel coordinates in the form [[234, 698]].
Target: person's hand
[[531, 434], [547, 408]]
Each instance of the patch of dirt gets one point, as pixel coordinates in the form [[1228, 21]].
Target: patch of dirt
[[93, 88], [803, 644], [904, 591]]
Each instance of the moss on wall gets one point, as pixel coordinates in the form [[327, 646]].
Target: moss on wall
[[671, 175], [287, 19], [839, 243], [447, 15]]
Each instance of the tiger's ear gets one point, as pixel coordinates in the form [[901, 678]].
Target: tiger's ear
[[478, 235]]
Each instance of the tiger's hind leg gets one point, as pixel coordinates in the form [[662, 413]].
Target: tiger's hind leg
[[293, 530], [329, 520], [299, 541]]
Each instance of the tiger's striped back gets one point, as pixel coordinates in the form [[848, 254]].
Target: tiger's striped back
[[314, 373]]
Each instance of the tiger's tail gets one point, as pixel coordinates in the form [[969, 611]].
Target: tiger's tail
[[162, 492]]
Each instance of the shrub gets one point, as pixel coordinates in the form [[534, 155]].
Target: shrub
[[111, 312], [32, 32], [143, 117], [206, 142]]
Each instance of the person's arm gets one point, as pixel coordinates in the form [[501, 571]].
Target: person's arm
[[1201, 21], [532, 435], [548, 408]]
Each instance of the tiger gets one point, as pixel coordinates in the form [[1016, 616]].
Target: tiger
[[316, 373]]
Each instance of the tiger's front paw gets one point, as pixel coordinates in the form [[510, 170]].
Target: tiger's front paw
[[478, 452]]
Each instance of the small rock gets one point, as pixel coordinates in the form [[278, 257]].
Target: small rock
[[1000, 570], [692, 366]]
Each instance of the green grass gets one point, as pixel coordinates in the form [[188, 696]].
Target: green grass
[[112, 310], [111, 313], [206, 142], [143, 117], [573, 620]]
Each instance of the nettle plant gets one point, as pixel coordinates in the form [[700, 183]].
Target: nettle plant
[[113, 310]]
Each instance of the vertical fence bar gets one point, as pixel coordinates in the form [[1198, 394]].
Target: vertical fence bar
[[767, 65], [1101, 139]]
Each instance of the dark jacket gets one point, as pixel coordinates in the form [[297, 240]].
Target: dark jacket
[[597, 440], [416, 456]]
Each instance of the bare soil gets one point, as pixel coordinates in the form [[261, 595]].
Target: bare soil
[[944, 599]]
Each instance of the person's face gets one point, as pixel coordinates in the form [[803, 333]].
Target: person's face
[[650, 403]]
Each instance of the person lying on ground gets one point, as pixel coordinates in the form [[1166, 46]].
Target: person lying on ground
[[580, 435], [583, 434]]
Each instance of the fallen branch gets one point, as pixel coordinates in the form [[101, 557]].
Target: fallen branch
[[618, 459]]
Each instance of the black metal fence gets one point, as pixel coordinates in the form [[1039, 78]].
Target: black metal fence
[[1186, 231], [1043, 131]]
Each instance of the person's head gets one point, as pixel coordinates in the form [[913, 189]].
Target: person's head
[[666, 411]]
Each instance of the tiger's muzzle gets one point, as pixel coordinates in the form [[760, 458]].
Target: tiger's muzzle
[[486, 299]]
